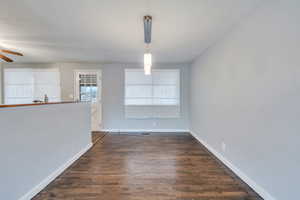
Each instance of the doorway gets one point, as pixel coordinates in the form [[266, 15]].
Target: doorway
[[88, 89]]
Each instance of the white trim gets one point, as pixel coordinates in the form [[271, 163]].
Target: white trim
[[260, 190], [146, 130], [35, 190]]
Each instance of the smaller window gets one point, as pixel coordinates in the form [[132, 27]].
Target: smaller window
[[88, 87]]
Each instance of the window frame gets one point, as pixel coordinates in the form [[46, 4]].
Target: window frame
[[76, 84]]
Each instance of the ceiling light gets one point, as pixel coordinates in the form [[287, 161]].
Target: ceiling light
[[147, 39], [147, 63]]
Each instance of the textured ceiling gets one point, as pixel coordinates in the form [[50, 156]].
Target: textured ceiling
[[112, 30]]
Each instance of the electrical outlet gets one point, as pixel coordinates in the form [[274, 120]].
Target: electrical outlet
[[223, 147], [154, 123]]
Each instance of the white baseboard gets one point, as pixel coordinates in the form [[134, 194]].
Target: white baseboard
[[257, 188], [34, 191], [146, 130]]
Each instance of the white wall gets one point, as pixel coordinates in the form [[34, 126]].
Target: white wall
[[245, 92], [35, 141], [113, 96], [1, 82]]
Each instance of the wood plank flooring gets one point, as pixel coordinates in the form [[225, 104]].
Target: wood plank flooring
[[97, 136], [154, 167]]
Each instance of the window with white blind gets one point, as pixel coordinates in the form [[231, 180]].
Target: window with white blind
[[24, 85], [152, 96]]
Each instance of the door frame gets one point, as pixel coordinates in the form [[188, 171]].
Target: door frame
[[99, 84]]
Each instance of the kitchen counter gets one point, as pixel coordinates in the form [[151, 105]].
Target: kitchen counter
[[34, 104]]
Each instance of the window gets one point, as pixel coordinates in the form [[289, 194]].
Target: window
[[26, 85], [153, 96], [88, 87]]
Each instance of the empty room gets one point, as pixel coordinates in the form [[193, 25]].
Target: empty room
[[149, 100]]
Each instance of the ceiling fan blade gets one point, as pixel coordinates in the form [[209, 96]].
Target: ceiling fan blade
[[7, 59], [12, 52]]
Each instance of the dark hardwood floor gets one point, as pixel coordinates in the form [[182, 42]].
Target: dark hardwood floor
[[97, 136], [154, 167]]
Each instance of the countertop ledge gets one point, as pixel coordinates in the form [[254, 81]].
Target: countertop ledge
[[35, 104]]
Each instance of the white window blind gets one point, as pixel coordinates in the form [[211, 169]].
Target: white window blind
[[153, 96], [26, 84]]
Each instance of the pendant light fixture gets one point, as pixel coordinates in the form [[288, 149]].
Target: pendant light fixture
[[147, 63], [147, 35]]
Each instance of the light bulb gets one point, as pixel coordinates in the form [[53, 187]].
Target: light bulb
[[147, 63]]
